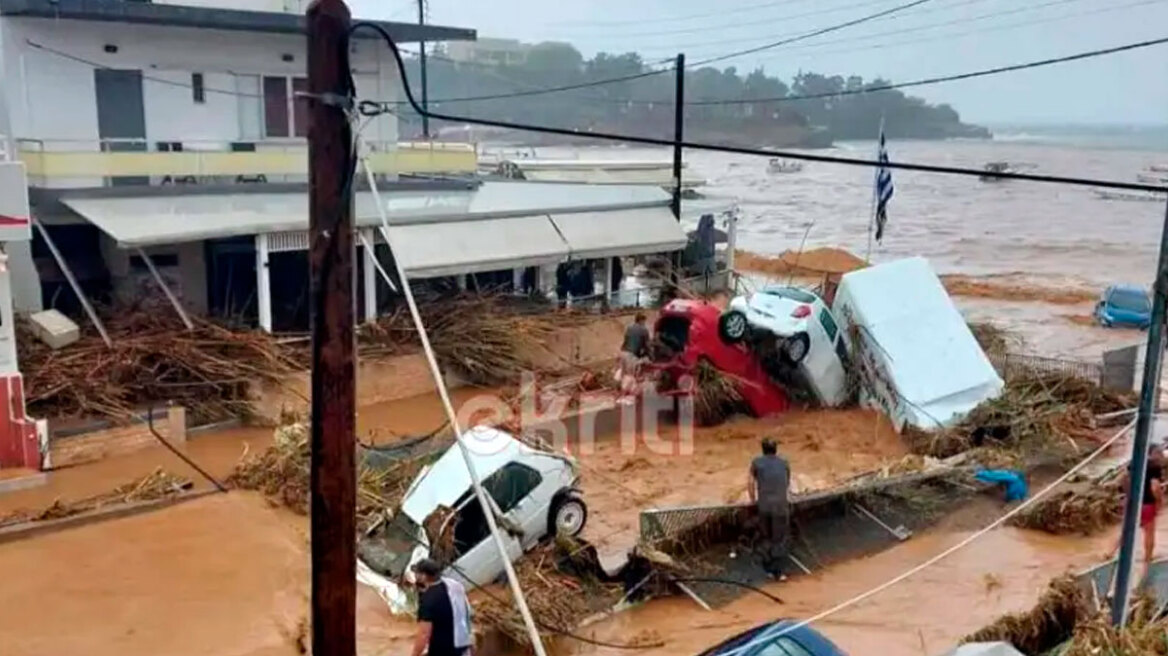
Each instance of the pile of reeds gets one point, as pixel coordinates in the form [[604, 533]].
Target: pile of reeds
[[1144, 634], [716, 395], [560, 592], [1081, 510], [281, 473], [1049, 624], [487, 339], [1037, 414], [159, 484], [991, 337], [153, 359]]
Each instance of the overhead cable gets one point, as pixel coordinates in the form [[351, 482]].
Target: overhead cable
[[369, 107]]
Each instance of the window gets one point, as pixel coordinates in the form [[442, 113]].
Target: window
[[511, 484], [1132, 300], [284, 114], [792, 293], [784, 647], [828, 322], [160, 261], [198, 92]]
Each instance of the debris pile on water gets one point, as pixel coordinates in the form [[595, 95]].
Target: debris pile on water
[[153, 358], [561, 584], [487, 338], [1049, 624], [1081, 510], [1015, 289], [1038, 416], [992, 338], [281, 473], [159, 484], [1145, 633], [813, 262]]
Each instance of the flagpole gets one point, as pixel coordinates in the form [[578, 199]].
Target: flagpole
[[875, 195]]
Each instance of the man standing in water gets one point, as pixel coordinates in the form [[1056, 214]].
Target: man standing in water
[[443, 614], [769, 484]]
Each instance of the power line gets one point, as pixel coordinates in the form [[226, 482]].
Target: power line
[[372, 108], [740, 24], [998, 14], [627, 78], [810, 35], [948, 78]]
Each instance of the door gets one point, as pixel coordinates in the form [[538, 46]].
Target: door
[[824, 366], [121, 115]]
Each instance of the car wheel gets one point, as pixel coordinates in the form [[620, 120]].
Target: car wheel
[[569, 516], [732, 327], [796, 348]]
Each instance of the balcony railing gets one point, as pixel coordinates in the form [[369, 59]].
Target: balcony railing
[[59, 162]]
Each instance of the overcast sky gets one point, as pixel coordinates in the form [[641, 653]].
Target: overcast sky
[[938, 37]]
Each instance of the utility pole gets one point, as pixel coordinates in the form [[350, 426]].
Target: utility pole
[[330, 263], [678, 133], [1146, 415], [422, 61]]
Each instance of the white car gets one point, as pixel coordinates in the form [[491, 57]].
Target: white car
[[794, 327], [534, 493]]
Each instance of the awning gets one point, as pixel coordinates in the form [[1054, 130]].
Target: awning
[[616, 234], [460, 247]]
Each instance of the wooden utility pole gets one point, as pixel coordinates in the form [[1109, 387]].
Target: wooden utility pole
[[330, 264], [678, 133]]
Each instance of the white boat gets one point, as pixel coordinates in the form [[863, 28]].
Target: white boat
[[779, 165], [611, 171], [1159, 168], [1153, 178], [1126, 196]]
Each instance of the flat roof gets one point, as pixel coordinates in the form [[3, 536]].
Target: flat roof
[[150, 220], [148, 13]]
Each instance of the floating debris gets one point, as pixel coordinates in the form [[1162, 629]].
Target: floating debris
[[1044, 627], [1082, 510], [159, 484]]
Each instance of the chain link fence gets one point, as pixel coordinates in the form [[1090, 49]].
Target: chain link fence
[[1013, 364]]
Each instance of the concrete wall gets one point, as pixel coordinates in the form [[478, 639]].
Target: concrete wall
[[187, 279]]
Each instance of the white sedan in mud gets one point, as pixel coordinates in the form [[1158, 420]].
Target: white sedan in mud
[[795, 334]]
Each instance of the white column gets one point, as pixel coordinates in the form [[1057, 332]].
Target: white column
[[607, 281], [517, 280], [731, 238], [368, 244], [263, 283]]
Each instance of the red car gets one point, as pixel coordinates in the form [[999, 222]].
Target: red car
[[689, 328]]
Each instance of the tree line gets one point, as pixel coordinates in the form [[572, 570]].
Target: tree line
[[645, 104]]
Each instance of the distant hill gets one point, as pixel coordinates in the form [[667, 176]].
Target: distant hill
[[722, 105]]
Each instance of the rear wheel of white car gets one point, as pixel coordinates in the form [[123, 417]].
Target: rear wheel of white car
[[795, 348], [569, 516], [732, 327]]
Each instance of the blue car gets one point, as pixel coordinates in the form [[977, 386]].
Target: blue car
[[1124, 305], [776, 638]]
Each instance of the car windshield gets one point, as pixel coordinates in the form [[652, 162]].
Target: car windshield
[[793, 293], [388, 550], [1131, 300]]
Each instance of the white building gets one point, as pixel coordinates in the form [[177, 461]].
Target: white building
[[164, 144], [496, 52]]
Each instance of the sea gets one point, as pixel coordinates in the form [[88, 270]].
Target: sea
[[1049, 235]]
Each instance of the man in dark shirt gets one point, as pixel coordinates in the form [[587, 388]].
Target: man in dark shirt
[[769, 484], [634, 349], [439, 622]]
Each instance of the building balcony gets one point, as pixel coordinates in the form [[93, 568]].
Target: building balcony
[[65, 163]]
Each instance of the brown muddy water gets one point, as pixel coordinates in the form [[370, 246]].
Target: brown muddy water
[[227, 574]]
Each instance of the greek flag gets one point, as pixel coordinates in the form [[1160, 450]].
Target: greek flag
[[883, 188]]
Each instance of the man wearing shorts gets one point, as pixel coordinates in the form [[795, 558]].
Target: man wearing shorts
[[1152, 502], [633, 351]]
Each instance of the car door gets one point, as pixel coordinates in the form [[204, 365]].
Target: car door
[[478, 559], [519, 490]]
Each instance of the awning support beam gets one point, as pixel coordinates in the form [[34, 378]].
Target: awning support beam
[[166, 290], [369, 275], [73, 283], [263, 283]]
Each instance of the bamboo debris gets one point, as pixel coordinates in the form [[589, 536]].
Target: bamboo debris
[[1044, 627], [159, 484], [1037, 414], [281, 473], [993, 338], [154, 358], [484, 338], [1082, 510], [561, 588], [716, 397], [1143, 635]]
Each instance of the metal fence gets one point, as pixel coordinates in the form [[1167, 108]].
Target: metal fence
[[1009, 365]]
